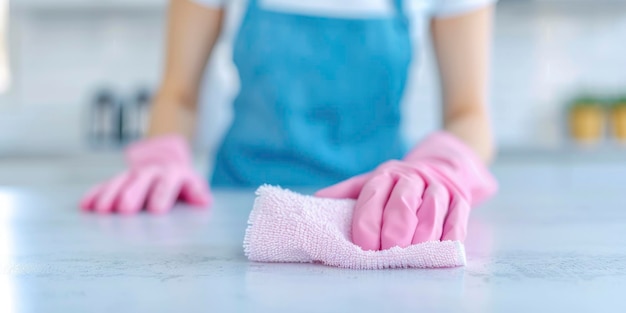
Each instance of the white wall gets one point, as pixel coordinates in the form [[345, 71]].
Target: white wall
[[59, 57], [544, 54], [60, 53]]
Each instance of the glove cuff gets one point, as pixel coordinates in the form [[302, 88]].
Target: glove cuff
[[159, 150], [452, 158]]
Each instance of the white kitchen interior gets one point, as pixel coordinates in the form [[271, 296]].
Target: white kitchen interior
[[62, 51]]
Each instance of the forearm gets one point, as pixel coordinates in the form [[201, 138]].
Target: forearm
[[463, 46], [191, 34], [170, 114], [473, 128]]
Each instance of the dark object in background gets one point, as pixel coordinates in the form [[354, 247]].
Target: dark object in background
[[114, 122], [136, 114], [103, 113], [119, 137]]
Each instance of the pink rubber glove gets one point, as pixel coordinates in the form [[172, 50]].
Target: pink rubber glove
[[427, 196], [160, 173]]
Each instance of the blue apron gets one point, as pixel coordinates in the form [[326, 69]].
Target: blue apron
[[319, 99]]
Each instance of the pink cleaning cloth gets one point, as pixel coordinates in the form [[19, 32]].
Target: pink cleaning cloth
[[288, 227]]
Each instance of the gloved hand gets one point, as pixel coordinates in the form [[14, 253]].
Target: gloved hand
[[427, 196], [159, 174]]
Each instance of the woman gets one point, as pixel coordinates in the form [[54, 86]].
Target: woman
[[321, 86]]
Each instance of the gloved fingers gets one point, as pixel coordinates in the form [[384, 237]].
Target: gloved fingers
[[432, 213], [165, 192], [400, 215], [196, 191], [368, 211], [455, 226], [106, 200], [133, 196], [347, 189], [88, 200]]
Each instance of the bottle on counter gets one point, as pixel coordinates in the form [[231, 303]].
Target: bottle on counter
[[587, 120], [115, 121], [103, 112], [119, 124], [137, 112], [141, 110], [618, 120]]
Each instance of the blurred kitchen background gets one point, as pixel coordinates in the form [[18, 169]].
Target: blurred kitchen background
[[559, 69]]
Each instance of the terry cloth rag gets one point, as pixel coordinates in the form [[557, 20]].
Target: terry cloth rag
[[288, 227]]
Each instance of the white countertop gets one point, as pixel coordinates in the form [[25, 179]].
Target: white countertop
[[553, 240]]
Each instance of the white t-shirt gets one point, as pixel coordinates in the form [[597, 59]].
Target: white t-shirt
[[363, 8]]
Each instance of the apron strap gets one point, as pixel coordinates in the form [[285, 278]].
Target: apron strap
[[400, 12], [252, 3], [398, 4]]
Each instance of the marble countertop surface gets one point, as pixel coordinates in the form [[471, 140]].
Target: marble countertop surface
[[553, 240]]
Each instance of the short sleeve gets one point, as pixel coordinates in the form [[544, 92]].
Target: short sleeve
[[212, 3], [445, 8]]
